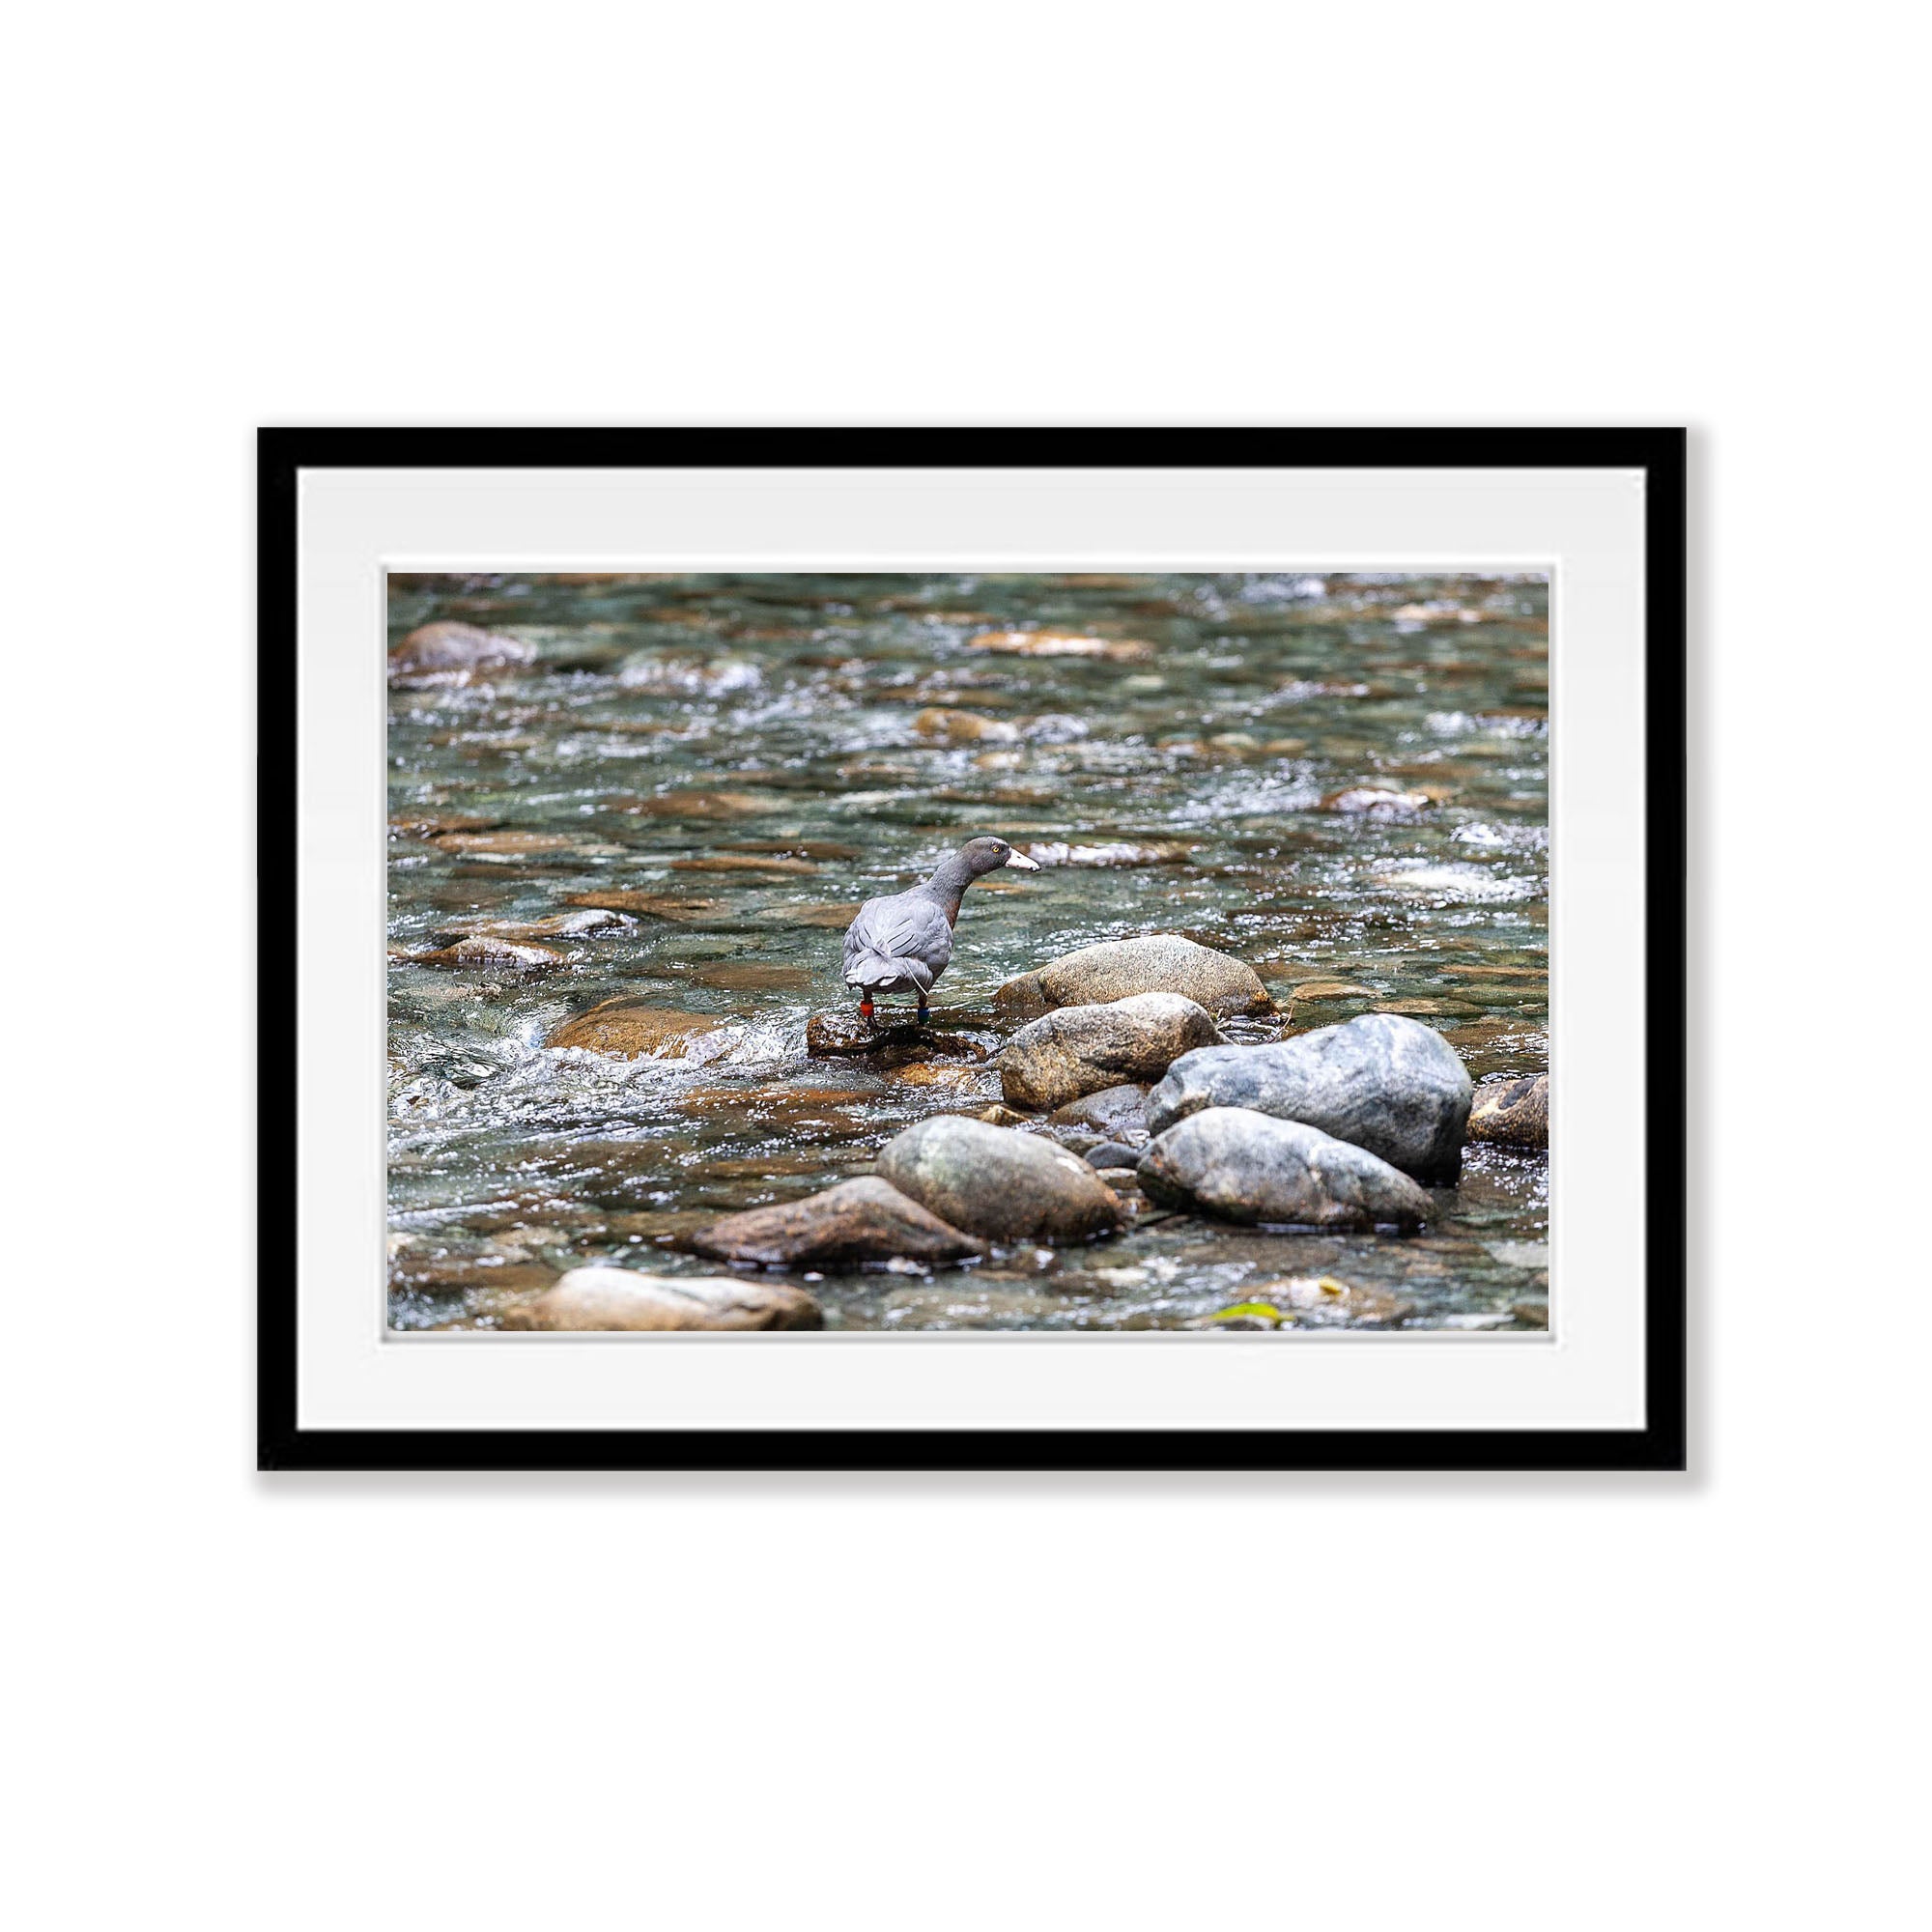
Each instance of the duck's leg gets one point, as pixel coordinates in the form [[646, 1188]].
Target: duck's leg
[[924, 1015], [865, 1006]]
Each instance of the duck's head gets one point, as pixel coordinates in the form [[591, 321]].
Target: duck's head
[[988, 855]]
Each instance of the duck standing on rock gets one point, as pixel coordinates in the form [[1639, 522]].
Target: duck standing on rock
[[901, 943]]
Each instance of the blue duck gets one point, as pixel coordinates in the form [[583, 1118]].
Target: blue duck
[[901, 944]]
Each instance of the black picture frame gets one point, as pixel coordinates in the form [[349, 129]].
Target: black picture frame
[[1660, 1444]]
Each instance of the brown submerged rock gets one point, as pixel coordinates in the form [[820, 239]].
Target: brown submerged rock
[[994, 1181], [752, 977], [503, 844], [1060, 644], [615, 1298], [452, 653], [653, 905], [480, 951], [629, 1029], [962, 727], [866, 1220], [1512, 1113], [559, 925], [1077, 1050], [1115, 969]]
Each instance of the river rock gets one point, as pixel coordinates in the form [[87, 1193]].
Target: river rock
[[963, 728], [865, 1220], [1512, 1113], [629, 1029], [1387, 1083], [846, 1033], [1115, 969], [1114, 1113], [486, 951], [624, 1298], [1112, 1153], [1077, 1050], [1000, 1183], [1246, 1166], [559, 925], [451, 653]]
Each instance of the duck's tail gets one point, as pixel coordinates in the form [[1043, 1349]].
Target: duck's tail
[[877, 969]]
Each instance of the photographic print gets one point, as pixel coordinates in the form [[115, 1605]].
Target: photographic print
[[917, 955]]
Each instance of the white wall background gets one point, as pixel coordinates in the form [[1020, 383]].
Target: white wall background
[[1346, 1702]]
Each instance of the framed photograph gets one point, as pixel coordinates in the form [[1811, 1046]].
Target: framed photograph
[[952, 949]]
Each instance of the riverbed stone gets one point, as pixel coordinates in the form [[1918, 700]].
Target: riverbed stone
[[1113, 1154], [1078, 1050], [999, 1182], [1385, 1083], [1512, 1113], [963, 728], [628, 1028], [481, 950], [846, 1033], [857, 1221], [1241, 1165], [1114, 1113], [1116, 969], [452, 653], [524, 931], [625, 1298]]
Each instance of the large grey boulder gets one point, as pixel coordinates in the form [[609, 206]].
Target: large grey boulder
[[1388, 1084], [857, 1221], [1081, 1050], [1244, 1166], [995, 1181], [1160, 963], [626, 1300]]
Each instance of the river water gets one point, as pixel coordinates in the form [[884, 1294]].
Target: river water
[[1341, 780]]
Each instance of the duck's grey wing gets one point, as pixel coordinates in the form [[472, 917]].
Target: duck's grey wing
[[905, 929]]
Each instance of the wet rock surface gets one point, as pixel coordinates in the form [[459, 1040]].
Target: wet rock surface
[[997, 1182], [846, 1034], [1384, 1082], [1512, 1113], [1162, 962], [1114, 1113], [1246, 1166], [631, 1029], [858, 1221], [615, 1298], [452, 653], [1079, 1050]]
